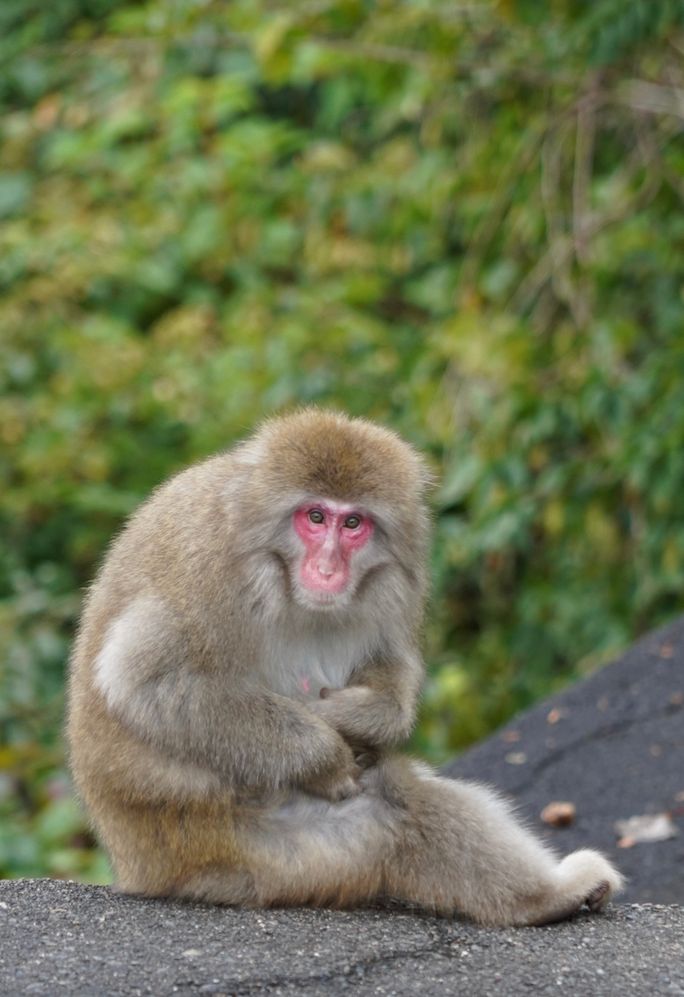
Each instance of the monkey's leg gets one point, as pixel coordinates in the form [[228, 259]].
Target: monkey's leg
[[462, 850], [309, 851], [217, 884], [305, 851], [449, 846]]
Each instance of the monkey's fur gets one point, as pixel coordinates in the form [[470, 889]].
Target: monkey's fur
[[233, 741]]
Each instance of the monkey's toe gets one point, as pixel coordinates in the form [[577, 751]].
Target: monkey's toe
[[599, 896]]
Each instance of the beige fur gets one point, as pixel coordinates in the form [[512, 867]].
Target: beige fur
[[234, 743]]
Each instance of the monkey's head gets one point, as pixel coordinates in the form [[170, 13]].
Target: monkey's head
[[347, 500]]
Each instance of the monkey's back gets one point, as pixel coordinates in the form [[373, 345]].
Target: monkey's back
[[152, 813]]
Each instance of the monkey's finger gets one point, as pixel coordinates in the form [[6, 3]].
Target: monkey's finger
[[348, 787]]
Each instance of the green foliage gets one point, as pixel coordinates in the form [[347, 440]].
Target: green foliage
[[462, 220]]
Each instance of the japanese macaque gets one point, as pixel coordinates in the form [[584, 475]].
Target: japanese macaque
[[247, 664]]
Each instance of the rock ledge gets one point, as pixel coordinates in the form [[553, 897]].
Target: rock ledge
[[64, 938]]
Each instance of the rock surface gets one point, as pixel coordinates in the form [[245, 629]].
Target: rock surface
[[613, 745], [86, 941]]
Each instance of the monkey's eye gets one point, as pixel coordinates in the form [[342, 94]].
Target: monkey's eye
[[352, 522], [316, 516]]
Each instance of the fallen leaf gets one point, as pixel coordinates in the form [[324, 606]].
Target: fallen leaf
[[516, 757], [559, 813], [647, 827], [676, 699], [626, 843], [666, 650], [510, 736], [554, 715]]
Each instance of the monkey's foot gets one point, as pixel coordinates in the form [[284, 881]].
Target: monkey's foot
[[599, 896], [586, 881], [590, 878]]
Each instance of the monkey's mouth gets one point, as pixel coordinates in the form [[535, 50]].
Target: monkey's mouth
[[322, 584], [317, 598]]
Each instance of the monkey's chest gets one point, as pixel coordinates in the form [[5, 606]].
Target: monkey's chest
[[300, 665]]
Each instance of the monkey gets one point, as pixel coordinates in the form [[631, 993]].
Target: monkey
[[246, 669]]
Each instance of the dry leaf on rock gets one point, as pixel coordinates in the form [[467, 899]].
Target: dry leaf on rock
[[559, 813], [647, 827], [516, 757], [554, 715]]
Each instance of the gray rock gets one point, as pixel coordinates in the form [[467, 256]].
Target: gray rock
[[615, 750], [86, 941]]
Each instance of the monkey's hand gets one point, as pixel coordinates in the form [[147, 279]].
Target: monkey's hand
[[367, 718], [337, 783]]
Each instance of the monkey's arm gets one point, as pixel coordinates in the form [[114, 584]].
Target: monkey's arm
[[378, 708], [255, 741], [251, 738]]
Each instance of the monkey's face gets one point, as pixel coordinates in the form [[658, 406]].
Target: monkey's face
[[335, 548]]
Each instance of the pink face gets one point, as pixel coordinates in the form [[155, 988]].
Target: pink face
[[332, 533]]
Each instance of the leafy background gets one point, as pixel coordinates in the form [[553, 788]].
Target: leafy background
[[461, 219]]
